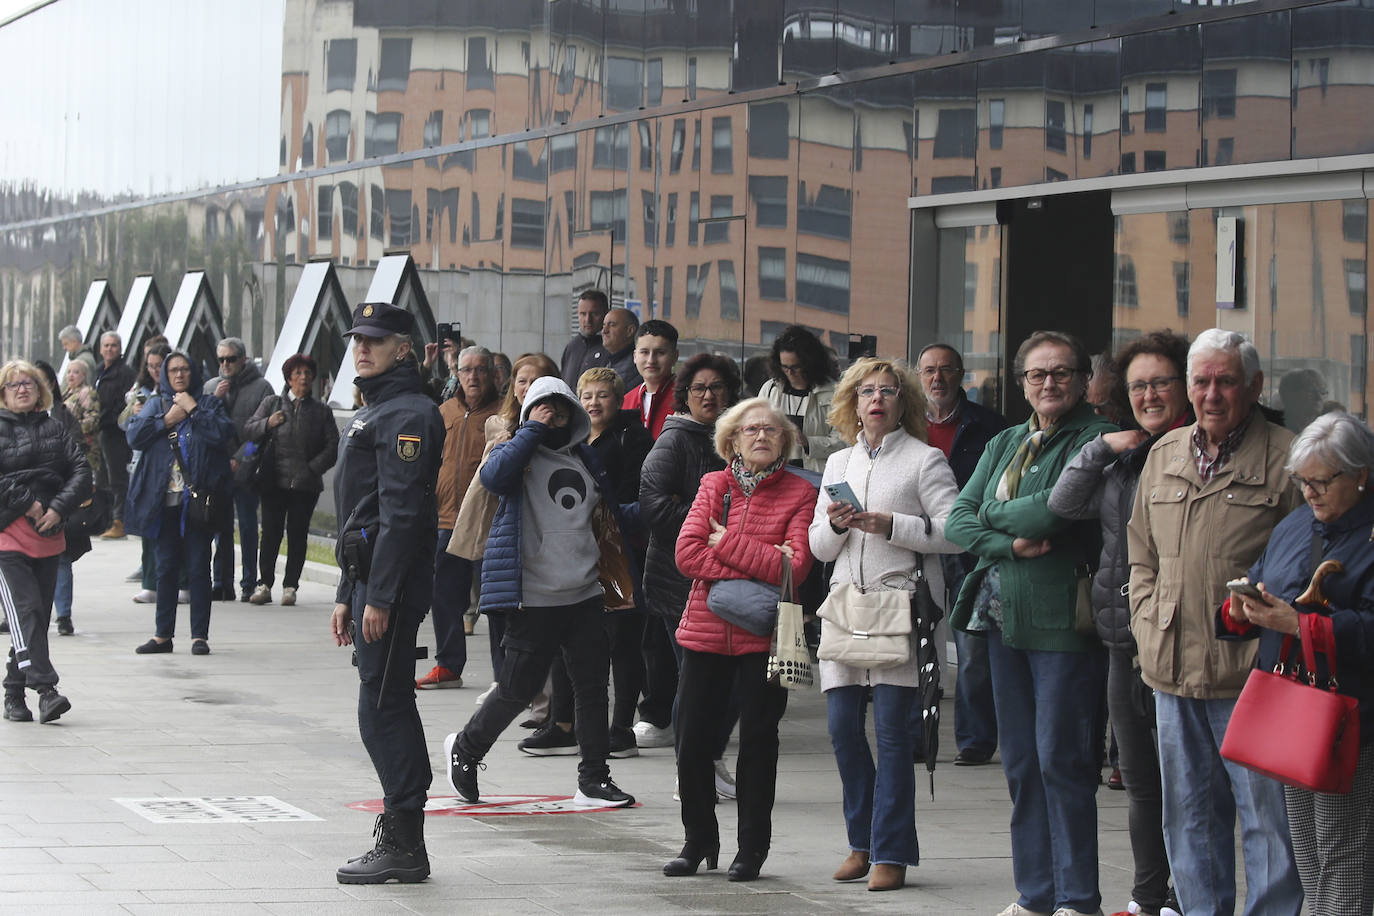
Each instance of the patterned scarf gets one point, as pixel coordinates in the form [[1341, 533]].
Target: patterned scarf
[[748, 479], [1025, 456]]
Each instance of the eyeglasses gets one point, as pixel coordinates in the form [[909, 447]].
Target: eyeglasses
[[228, 360], [791, 369], [947, 371], [1157, 385], [469, 370], [24, 384], [1318, 485], [1037, 377], [882, 391], [717, 388], [178, 370], [753, 431]]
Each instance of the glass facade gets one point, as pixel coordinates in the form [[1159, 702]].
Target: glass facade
[[732, 167]]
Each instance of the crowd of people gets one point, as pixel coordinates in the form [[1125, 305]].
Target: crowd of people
[[604, 513]]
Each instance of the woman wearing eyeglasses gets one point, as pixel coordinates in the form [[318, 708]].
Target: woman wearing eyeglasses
[[745, 522], [802, 388], [1047, 670], [905, 489], [43, 477], [1101, 483]]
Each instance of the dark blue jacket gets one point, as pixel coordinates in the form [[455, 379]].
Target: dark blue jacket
[[977, 426], [206, 439], [1286, 567]]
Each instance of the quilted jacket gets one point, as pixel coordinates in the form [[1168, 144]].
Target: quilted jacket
[[779, 511], [40, 460]]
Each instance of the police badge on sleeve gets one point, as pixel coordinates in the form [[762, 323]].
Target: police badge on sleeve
[[407, 447]]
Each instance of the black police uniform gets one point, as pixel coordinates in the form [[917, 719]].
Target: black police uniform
[[389, 459]]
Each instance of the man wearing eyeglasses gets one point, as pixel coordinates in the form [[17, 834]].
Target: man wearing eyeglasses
[[1209, 496], [242, 388], [961, 429]]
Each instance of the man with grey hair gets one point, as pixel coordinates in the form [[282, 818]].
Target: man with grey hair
[[70, 339], [465, 414], [1209, 496], [618, 331], [242, 388], [111, 380]]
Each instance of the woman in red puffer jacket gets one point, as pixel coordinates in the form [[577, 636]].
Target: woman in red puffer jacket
[[766, 512]]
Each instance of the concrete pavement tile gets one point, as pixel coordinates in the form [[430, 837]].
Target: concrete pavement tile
[[70, 909], [201, 908], [186, 897], [22, 883], [138, 876], [359, 908]]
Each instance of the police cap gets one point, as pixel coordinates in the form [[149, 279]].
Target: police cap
[[380, 319]]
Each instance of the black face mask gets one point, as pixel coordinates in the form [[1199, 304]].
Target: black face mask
[[555, 437]]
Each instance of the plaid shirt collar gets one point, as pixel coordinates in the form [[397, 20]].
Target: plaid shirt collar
[[1207, 467]]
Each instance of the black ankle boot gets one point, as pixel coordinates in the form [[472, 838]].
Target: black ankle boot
[[746, 866], [690, 859], [399, 852]]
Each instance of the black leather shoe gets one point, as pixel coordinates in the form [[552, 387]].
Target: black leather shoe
[[690, 859], [64, 626], [970, 757], [200, 647], [746, 866], [244, 596], [153, 647]]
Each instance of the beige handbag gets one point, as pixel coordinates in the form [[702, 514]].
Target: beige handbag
[[866, 628]]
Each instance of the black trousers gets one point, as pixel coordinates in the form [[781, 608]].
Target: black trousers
[[534, 635], [114, 467], [289, 511], [660, 671], [388, 721], [625, 632], [26, 589], [1133, 720], [704, 689]]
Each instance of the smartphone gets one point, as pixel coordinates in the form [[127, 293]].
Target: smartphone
[[842, 492], [449, 331], [1241, 587]]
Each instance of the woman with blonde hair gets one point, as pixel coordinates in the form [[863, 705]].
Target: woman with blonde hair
[[904, 488]]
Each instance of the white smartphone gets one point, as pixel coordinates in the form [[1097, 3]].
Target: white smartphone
[[842, 492]]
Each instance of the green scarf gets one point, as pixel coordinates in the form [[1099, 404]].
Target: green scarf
[[1025, 456]]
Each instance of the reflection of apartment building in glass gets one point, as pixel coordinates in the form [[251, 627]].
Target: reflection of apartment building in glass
[[736, 167]]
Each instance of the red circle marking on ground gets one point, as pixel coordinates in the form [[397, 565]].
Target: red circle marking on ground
[[493, 806]]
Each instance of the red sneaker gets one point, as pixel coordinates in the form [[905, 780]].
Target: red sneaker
[[439, 676]]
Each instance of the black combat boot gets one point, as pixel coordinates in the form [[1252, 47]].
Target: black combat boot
[[399, 852]]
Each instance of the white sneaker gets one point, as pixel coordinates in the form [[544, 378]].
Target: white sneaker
[[1070, 911], [1017, 909], [147, 596], [184, 596], [481, 697], [725, 783], [261, 595], [288, 597], [677, 796], [647, 734]]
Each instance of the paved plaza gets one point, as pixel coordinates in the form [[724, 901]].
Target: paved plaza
[[271, 714]]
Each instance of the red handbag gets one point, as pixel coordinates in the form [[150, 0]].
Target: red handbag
[[1292, 730]]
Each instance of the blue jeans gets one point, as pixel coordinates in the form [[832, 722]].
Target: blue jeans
[[452, 596], [246, 509], [975, 715], [62, 596], [175, 551], [1202, 796], [1047, 719], [879, 803]]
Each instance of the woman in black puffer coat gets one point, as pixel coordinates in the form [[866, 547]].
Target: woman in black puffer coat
[[705, 387], [44, 476]]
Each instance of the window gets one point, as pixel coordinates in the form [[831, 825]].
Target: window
[[399, 217], [448, 203], [650, 285], [721, 205], [646, 148], [564, 155], [691, 78], [995, 176], [568, 71], [1088, 131], [611, 147], [655, 82], [527, 223], [393, 72], [1355, 281], [951, 184], [827, 214], [1125, 110], [697, 278], [434, 129], [1055, 137], [1218, 94], [377, 214], [679, 143], [823, 283], [729, 291], [348, 204], [336, 128], [1126, 293], [308, 146], [1354, 220], [770, 200], [1055, 175], [650, 210], [769, 130], [1226, 151], [382, 134], [997, 119], [610, 210], [696, 146], [1154, 160], [480, 75], [1359, 357], [1127, 163], [479, 123], [624, 83], [722, 146], [772, 273], [670, 235], [1156, 106], [324, 213], [693, 214], [970, 285], [340, 63], [667, 309], [1183, 274], [524, 166], [1180, 230], [475, 219], [956, 133]]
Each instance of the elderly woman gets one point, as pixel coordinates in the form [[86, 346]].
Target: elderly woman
[[1101, 483], [906, 489], [84, 405], [1047, 673], [145, 386], [158, 492], [306, 446], [1333, 835], [745, 522], [43, 477], [802, 387]]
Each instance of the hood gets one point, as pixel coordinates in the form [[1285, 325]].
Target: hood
[[249, 373], [685, 423], [164, 386], [579, 426]]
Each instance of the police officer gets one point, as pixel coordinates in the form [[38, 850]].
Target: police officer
[[384, 494]]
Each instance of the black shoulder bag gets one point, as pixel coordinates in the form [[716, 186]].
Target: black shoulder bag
[[202, 506]]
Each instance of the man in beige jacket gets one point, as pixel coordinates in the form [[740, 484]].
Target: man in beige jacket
[[1208, 498]]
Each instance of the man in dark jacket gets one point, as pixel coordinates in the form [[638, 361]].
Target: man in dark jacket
[[112, 381], [618, 333], [961, 429], [242, 388], [586, 350]]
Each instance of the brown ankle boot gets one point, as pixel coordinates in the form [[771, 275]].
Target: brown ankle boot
[[887, 877], [854, 866]]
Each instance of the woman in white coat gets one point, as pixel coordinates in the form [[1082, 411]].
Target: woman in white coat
[[905, 488]]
